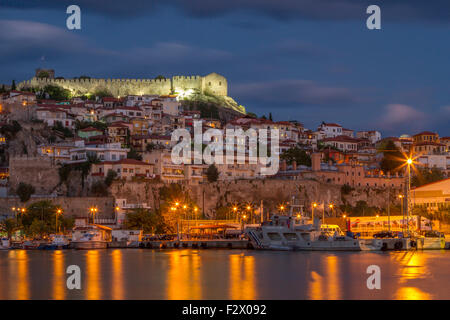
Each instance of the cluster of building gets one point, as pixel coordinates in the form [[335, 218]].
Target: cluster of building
[[143, 124]]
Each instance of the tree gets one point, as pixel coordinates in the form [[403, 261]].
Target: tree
[[24, 191], [425, 175], [143, 219], [40, 219], [9, 226], [133, 154], [55, 92], [392, 158], [298, 155], [43, 74], [110, 176], [270, 116], [212, 173], [160, 77], [150, 147], [13, 85]]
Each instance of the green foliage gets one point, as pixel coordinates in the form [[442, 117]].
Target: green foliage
[[10, 226], [150, 147], [10, 130], [102, 93], [425, 175], [43, 74], [133, 154], [212, 173], [171, 192], [143, 219], [160, 77], [40, 219], [392, 157], [13, 85], [55, 92], [24, 191], [346, 189], [64, 172], [298, 155], [110, 176], [208, 104], [65, 131], [85, 124]]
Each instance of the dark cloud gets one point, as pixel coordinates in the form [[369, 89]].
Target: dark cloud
[[297, 92], [437, 10]]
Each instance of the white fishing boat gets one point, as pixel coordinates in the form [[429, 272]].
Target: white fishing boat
[[91, 236], [430, 240], [290, 233], [4, 244]]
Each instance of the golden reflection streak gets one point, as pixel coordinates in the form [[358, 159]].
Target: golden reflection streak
[[315, 287], [242, 277], [333, 280], [183, 276], [59, 279], [413, 269], [117, 275], [23, 290], [93, 275]]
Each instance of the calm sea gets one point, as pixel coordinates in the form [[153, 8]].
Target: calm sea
[[223, 274]]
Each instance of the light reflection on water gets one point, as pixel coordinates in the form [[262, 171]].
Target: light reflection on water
[[223, 274]]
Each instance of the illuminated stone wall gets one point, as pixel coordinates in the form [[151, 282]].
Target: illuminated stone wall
[[120, 87]]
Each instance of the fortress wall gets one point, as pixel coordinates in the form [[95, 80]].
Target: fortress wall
[[186, 83], [121, 87]]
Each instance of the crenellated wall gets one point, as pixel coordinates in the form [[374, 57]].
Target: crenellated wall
[[121, 87]]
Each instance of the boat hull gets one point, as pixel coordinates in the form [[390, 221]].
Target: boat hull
[[89, 245]]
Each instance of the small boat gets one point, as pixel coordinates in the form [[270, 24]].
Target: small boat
[[59, 241], [91, 236], [31, 245], [4, 244], [288, 233], [430, 240]]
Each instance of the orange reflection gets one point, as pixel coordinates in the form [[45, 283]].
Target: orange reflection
[[93, 275], [242, 277], [59, 277], [315, 287], [333, 278], [414, 267], [117, 275], [412, 293], [183, 276], [19, 261]]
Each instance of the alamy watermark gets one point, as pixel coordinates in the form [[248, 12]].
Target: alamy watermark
[[234, 147]]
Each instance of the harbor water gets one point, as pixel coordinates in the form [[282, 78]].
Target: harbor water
[[223, 274]]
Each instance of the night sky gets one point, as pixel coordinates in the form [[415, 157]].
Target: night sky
[[308, 60]]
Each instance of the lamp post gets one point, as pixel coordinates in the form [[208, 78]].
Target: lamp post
[[59, 211], [400, 196], [331, 206], [235, 210], [314, 205], [409, 162]]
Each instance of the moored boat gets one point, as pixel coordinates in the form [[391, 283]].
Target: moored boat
[[289, 233], [4, 244], [91, 236]]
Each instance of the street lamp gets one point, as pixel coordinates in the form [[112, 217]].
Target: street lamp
[[409, 162], [314, 205], [331, 206], [59, 211]]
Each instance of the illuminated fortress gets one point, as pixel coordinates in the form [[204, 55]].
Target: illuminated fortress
[[212, 83]]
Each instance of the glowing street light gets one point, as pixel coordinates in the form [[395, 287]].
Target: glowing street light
[[58, 212], [314, 205]]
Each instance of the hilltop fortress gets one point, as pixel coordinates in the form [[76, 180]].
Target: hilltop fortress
[[212, 83]]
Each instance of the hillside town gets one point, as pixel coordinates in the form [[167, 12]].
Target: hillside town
[[102, 157]]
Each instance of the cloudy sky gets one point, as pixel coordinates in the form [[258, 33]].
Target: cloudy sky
[[309, 60]]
